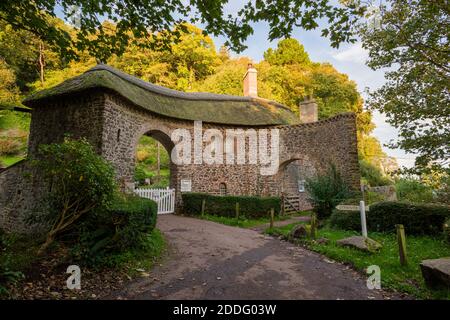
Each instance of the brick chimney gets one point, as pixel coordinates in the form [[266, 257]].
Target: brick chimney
[[308, 110], [250, 82]]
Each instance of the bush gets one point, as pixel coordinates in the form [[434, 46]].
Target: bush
[[326, 191], [249, 206], [447, 230], [346, 220], [7, 275], [10, 146], [80, 181], [418, 219], [414, 191], [372, 174], [124, 225]]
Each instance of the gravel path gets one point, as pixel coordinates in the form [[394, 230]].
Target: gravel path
[[207, 260]]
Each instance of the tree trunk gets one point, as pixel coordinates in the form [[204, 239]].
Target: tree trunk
[[158, 169], [41, 62], [48, 241]]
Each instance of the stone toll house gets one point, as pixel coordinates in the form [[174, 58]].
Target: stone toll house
[[113, 110]]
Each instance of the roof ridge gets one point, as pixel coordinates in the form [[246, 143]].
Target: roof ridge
[[204, 96]]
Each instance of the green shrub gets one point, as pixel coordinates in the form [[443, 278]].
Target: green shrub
[[326, 191], [7, 275], [372, 174], [124, 225], [413, 190], [249, 206], [346, 220], [447, 230], [81, 181], [418, 219]]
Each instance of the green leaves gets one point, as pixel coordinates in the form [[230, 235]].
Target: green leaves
[[413, 42], [63, 165], [145, 19], [326, 190]]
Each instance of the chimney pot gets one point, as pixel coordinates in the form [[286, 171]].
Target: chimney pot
[[251, 82], [308, 110]]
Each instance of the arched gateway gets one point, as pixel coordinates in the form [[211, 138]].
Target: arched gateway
[[113, 110]]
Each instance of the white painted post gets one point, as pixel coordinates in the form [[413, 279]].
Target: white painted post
[[362, 211]]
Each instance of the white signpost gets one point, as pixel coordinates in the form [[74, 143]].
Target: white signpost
[[362, 211], [362, 208]]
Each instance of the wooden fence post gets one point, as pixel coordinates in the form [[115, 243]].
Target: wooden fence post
[[237, 210], [313, 226], [272, 217], [401, 239], [203, 206]]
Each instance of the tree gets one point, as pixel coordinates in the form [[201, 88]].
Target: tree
[[9, 92], [288, 51], [412, 41], [144, 19], [80, 182]]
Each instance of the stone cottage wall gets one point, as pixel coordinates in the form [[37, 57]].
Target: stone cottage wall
[[114, 126]]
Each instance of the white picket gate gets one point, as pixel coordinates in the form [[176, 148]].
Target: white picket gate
[[165, 198]]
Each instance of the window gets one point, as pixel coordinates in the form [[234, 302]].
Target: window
[[301, 185], [223, 189]]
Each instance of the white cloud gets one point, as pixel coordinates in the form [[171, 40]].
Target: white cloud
[[355, 53]]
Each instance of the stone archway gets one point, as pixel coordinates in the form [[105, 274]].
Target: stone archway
[[291, 178], [165, 141]]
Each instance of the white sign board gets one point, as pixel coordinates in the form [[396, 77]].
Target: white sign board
[[186, 186], [345, 207]]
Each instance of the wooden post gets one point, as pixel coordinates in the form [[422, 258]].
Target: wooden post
[[203, 206], [362, 212], [401, 239], [313, 226], [272, 217], [237, 210]]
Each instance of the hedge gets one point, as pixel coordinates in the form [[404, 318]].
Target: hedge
[[383, 216], [249, 206]]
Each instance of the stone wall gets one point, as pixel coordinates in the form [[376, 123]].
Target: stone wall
[[114, 126], [20, 191]]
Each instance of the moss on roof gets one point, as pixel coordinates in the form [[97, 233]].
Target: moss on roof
[[214, 108]]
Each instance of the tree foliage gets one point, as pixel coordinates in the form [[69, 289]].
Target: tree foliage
[[412, 41], [289, 51], [144, 20]]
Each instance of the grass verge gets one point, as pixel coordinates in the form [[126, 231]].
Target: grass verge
[[7, 161], [406, 279]]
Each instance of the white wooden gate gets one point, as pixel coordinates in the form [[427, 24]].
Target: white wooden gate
[[165, 198]]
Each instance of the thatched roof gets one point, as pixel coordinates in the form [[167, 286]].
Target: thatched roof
[[208, 107]]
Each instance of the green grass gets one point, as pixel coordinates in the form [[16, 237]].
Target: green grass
[[242, 222], [7, 161], [406, 279]]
